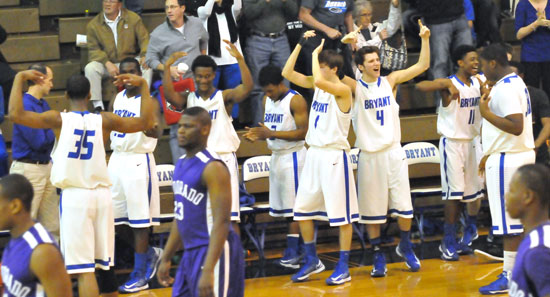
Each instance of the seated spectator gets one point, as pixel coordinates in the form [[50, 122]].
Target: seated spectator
[[179, 33], [114, 34]]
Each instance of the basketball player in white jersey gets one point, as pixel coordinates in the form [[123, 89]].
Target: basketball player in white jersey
[[80, 170], [134, 181], [508, 144], [327, 187], [223, 138], [459, 124], [284, 128], [382, 173]]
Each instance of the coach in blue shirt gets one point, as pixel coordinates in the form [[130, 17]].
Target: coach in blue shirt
[[31, 150]]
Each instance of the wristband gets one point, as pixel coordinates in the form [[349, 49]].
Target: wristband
[[302, 41]]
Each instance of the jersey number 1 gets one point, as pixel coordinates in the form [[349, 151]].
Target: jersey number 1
[[82, 142]]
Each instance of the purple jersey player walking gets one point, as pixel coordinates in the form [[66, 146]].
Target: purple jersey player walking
[[32, 264], [213, 263], [528, 201]]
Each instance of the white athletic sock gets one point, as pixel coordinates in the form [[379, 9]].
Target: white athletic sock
[[293, 235], [509, 260]]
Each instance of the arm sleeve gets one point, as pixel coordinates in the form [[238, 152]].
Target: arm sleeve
[[205, 11], [95, 53], [152, 58], [237, 7], [537, 261], [394, 20], [252, 9], [469, 10], [308, 4], [143, 37], [203, 43], [520, 17]]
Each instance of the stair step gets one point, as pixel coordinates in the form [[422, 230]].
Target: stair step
[[9, 3], [31, 47], [10, 19], [57, 101], [70, 26], [62, 70], [64, 7]]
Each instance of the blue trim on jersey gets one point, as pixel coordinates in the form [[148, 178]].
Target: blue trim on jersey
[[475, 195], [149, 183], [338, 220], [60, 204], [508, 80], [445, 167], [101, 262], [135, 222], [310, 214], [379, 81], [457, 79], [234, 214], [82, 113], [373, 218], [280, 211], [501, 191], [364, 83], [346, 183], [158, 220], [295, 163], [405, 212], [80, 266], [516, 227]]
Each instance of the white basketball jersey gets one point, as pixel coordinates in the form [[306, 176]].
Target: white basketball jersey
[[376, 119], [461, 119], [278, 117], [130, 142], [78, 156], [222, 138], [508, 96], [328, 125]]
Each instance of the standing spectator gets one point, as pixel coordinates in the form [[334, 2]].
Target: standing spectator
[[532, 29], [331, 20], [113, 35], [486, 24], [373, 34], [267, 43], [178, 33], [3, 151], [449, 28], [6, 73], [219, 19], [31, 150]]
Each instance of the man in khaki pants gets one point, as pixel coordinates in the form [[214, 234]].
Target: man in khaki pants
[[31, 150]]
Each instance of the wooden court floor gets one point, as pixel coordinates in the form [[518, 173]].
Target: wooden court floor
[[436, 278]]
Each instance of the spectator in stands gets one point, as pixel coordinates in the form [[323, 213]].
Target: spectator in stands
[[267, 43], [532, 28], [486, 24], [6, 73], [449, 28], [541, 116], [219, 18], [178, 33], [331, 20], [135, 5], [3, 151], [114, 34], [31, 150], [373, 34]]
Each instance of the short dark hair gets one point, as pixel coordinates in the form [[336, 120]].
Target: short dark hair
[[14, 186], [38, 67], [507, 47], [495, 52], [536, 177], [461, 51], [78, 87], [518, 65], [204, 61], [359, 57], [270, 75], [199, 112], [332, 59], [181, 2], [130, 60]]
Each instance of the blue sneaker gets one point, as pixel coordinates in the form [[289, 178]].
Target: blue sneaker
[[135, 283], [339, 276], [153, 261], [311, 267], [470, 234], [448, 249], [406, 252], [379, 265], [290, 259], [500, 286]]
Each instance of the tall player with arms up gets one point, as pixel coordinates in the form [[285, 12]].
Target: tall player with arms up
[[80, 170]]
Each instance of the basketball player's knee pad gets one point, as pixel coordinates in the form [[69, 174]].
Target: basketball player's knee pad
[[106, 280]]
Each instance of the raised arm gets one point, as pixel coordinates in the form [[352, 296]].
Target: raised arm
[[47, 265], [336, 89], [216, 179], [205, 11], [240, 92], [170, 94], [289, 73], [112, 122], [401, 76], [18, 115]]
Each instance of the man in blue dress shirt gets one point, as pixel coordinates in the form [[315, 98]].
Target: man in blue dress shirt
[[31, 150]]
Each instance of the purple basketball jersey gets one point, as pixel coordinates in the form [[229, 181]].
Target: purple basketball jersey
[[16, 260], [531, 276]]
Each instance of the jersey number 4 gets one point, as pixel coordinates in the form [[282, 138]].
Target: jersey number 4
[[380, 116], [83, 143]]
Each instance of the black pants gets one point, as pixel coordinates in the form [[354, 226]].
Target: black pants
[[486, 25], [537, 74]]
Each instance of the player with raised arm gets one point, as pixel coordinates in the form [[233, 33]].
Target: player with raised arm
[[327, 187], [80, 170], [213, 261]]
